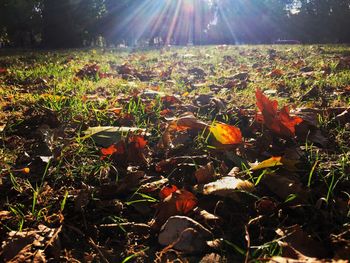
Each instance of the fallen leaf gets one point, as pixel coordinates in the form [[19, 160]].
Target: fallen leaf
[[170, 100], [284, 185], [167, 190], [185, 122], [272, 162], [300, 241], [185, 202], [105, 136], [275, 73], [90, 71], [34, 245], [109, 151], [265, 206], [190, 121], [226, 187], [279, 122], [5, 215], [117, 148], [205, 174], [226, 134], [138, 141], [184, 234], [153, 186], [205, 217], [177, 202]]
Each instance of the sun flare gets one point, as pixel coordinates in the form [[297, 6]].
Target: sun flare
[[169, 21]]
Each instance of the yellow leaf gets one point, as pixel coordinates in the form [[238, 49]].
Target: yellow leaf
[[226, 134], [272, 162]]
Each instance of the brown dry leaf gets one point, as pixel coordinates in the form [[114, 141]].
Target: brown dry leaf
[[275, 73], [284, 185], [278, 259], [126, 69], [32, 245], [190, 121], [167, 165], [185, 122], [124, 185], [205, 174], [153, 186], [5, 215], [199, 72], [184, 234], [82, 199], [265, 206], [205, 217], [226, 187], [308, 129], [303, 243], [213, 257]]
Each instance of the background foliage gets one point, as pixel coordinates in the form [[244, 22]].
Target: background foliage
[[74, 23]]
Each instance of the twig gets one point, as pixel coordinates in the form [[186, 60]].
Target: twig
[[93, 244]]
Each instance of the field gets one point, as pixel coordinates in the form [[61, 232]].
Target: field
[[171, 154]]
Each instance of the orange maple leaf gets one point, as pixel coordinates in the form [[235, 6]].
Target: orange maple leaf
[[279, 122]]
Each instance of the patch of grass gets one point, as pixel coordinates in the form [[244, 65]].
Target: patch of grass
[[46, 106]]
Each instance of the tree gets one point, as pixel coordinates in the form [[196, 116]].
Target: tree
[[20, 21]]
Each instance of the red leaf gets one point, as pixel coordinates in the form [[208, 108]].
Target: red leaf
[[110, 150], [185, 202], [288, 121], [118, 148], [170, 99], [167, 190], [174, 202], [279, 122], [165, 112], [138, 141], [3, 70]]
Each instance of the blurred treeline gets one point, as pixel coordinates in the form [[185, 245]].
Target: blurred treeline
[[77, 23]]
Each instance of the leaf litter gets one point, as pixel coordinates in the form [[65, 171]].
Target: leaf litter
[[158, 174]]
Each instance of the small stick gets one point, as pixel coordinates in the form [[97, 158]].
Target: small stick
[[93, 244]]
